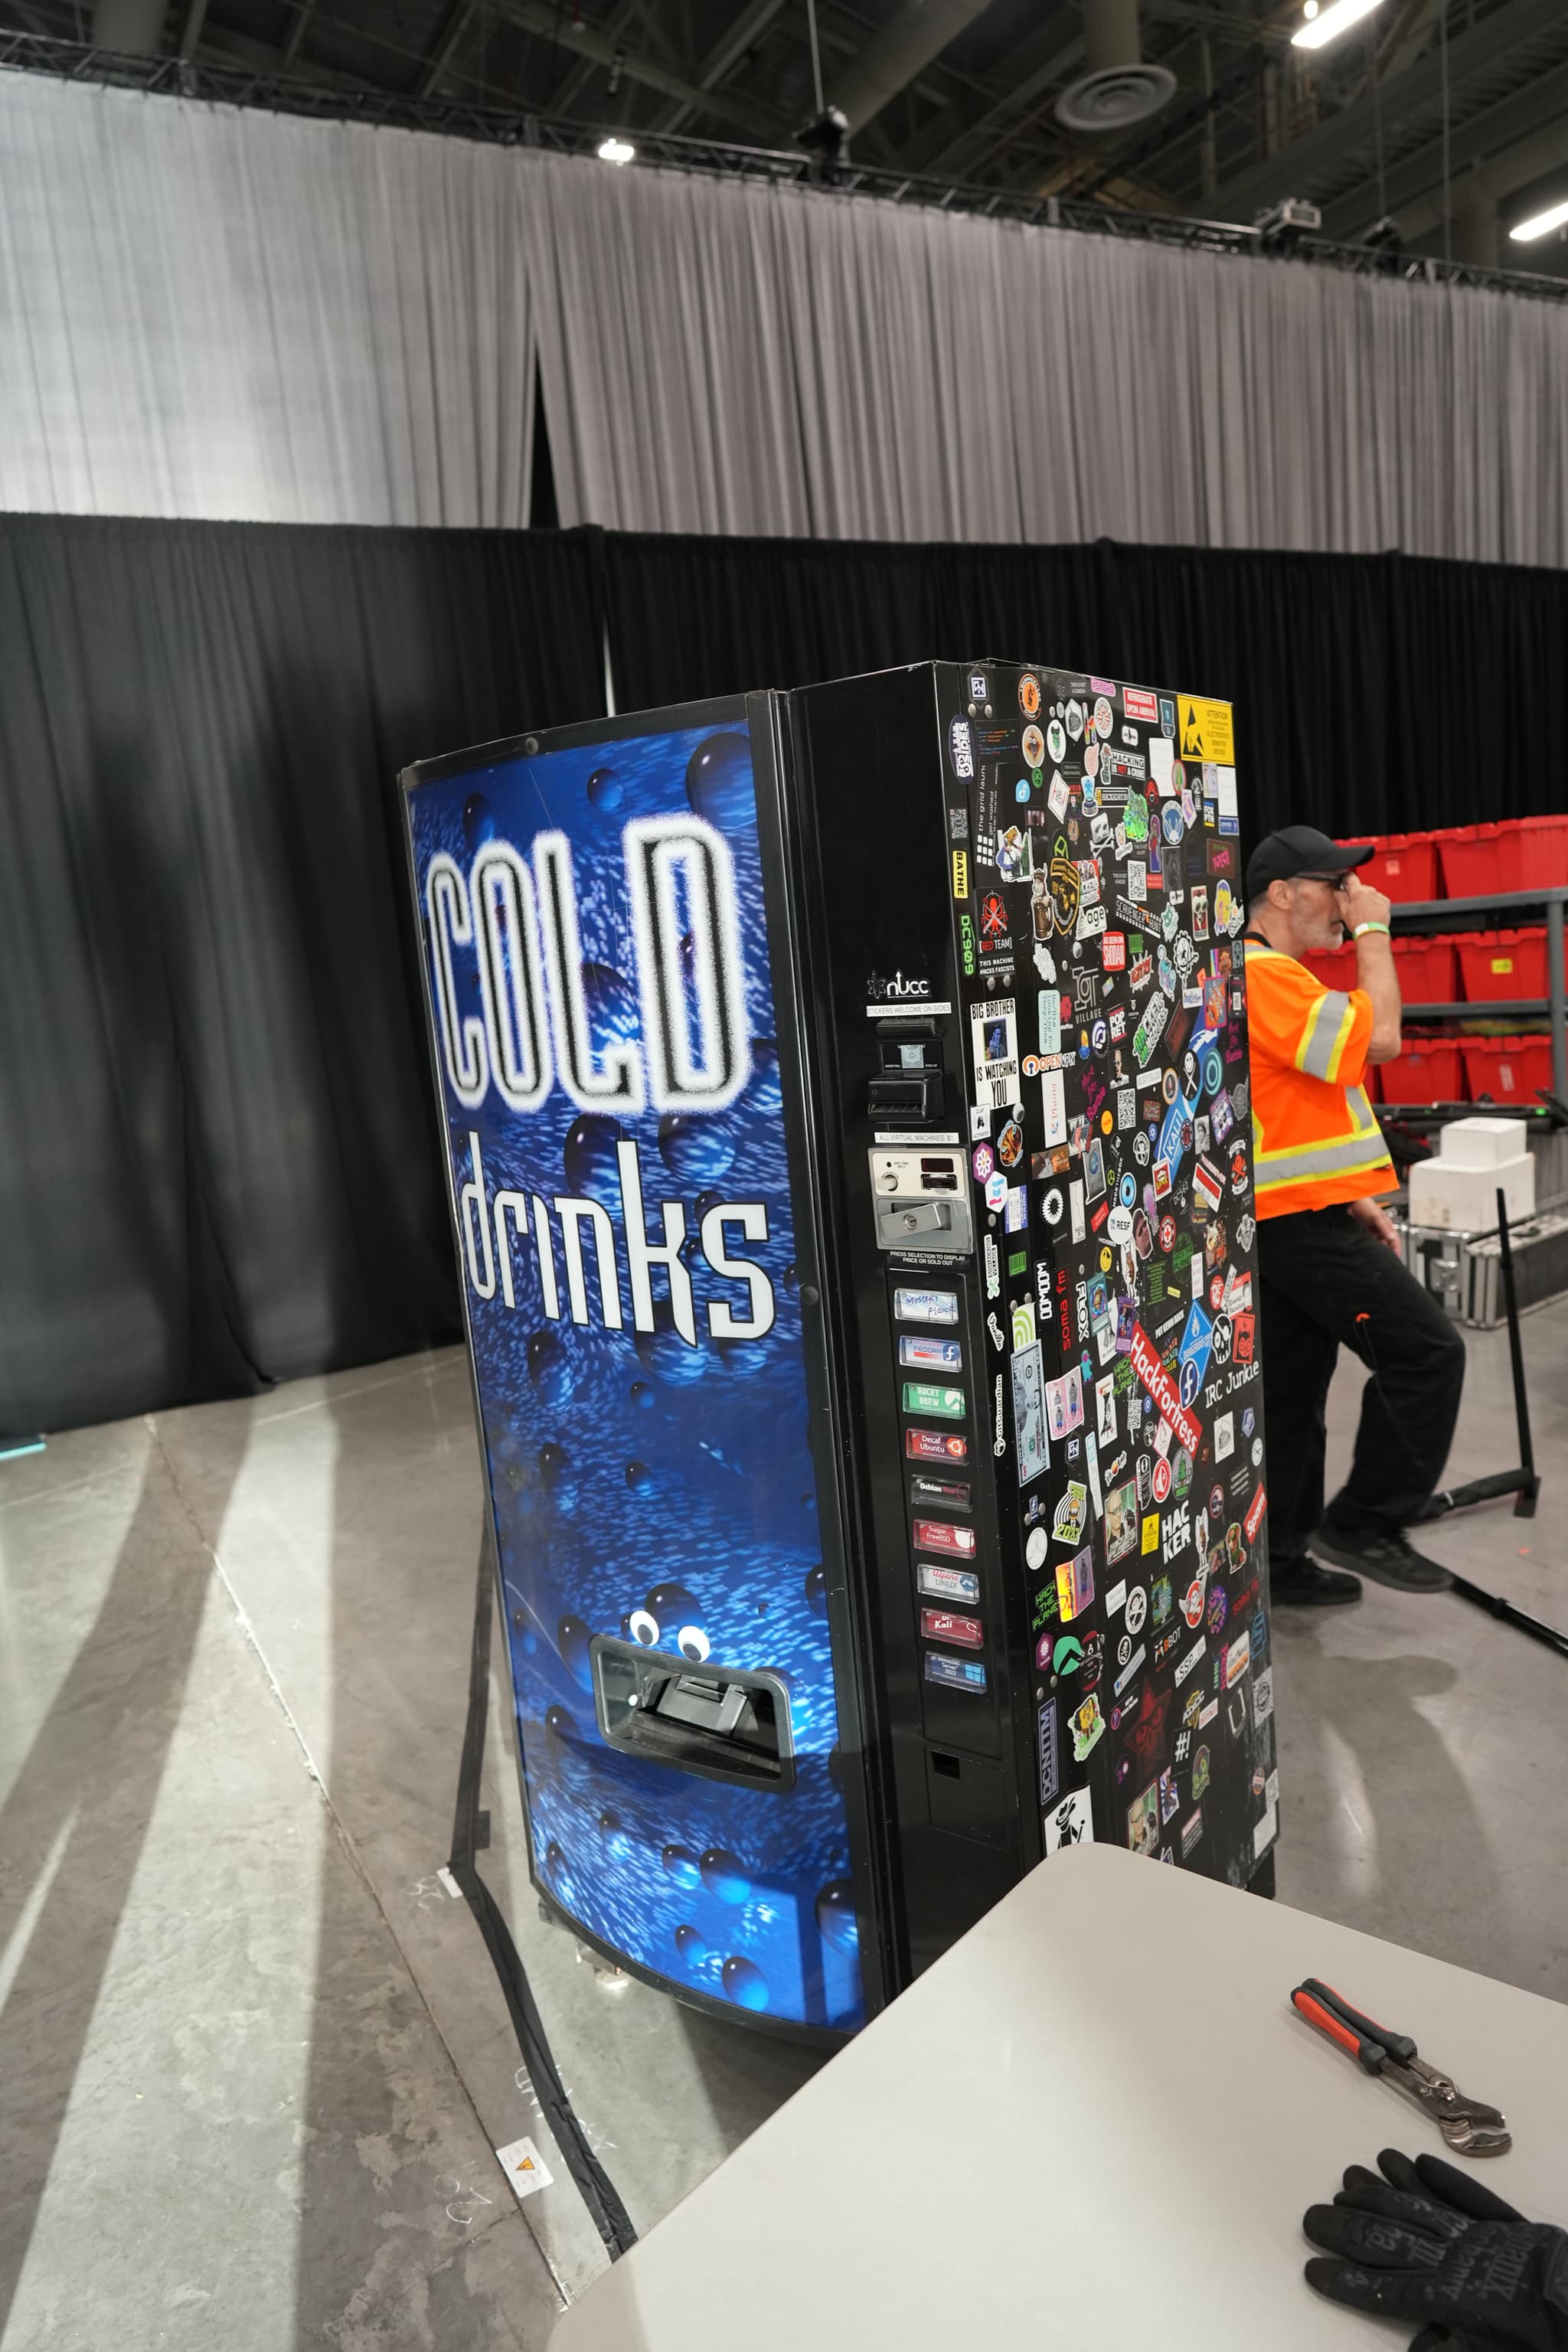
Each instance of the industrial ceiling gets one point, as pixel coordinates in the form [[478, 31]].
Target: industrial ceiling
[[1448, 118]]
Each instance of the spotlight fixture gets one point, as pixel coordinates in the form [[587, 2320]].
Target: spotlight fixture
[[615, 150], [826, 138], [1285, 224], [1326, 25], [1541, 223]]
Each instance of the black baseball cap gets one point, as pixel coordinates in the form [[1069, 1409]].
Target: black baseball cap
[[1300, 849]]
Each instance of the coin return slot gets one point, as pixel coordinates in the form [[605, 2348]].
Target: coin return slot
[[721, 1722], [948, 1765]]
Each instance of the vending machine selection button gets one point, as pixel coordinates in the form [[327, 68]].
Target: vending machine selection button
[[936, 1583], [911, 1306], [942, 1494], [926, 1396], [954, 1674], [942, 1625], [931, 1355], [934, 1445], [939, 1534]]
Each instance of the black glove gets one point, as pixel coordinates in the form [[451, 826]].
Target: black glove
[[1427, 2243]]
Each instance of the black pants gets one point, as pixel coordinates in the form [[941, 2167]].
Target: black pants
[[1327, 1281]]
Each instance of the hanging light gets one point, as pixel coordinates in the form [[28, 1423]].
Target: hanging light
[[615, 150], [1541, 223], [1325, 24]]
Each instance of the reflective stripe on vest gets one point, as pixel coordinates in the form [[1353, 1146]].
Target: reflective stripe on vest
[[1336, 1155], [1327, 1033]]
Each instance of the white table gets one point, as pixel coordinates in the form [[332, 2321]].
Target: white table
[[1096, 2121]]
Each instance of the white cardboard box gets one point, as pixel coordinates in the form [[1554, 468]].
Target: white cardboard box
[[1456, 1199], [1482, 1142]]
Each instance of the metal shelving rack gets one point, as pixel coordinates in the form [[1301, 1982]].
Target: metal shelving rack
[[1498, 909]]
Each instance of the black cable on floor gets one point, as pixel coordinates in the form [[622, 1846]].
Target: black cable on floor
[[609, 2215]]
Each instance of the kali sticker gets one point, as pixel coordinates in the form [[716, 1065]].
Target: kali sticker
[[1034, 747]]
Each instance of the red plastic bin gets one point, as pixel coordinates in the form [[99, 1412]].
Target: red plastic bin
[[1425, 970], [1405, 866], [1525, 853], [1427, 1071], [1507, 1069], [1502, 964]]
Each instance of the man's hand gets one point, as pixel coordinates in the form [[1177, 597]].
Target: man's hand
[[1377, 1222], [1361, 903]]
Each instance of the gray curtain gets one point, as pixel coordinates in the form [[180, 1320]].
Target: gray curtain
[[759, 360], [218, 312], [214, 311]]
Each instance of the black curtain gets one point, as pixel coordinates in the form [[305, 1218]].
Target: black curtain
[[218, 1165], [220, 1158], [1373, 693]]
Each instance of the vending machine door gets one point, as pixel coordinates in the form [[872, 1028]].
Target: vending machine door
[[1034, 997], [610, 1014]]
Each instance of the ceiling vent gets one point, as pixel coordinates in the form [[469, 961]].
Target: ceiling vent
[[1118, 90]]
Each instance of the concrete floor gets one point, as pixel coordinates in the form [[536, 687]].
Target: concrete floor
[[255, 2062]]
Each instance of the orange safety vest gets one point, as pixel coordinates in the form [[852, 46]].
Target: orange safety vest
[[1315, 1140]]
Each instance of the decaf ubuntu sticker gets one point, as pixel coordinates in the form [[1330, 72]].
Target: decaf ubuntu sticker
[[1207, 733], [525, 2166]]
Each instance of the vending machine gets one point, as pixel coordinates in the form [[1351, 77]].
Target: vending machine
[[845, 1101]]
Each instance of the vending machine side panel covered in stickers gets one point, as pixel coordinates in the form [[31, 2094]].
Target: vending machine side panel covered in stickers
[[595, 948], [1110, 1137]]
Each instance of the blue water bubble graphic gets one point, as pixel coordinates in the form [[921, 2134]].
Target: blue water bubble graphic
[[744, 1358], [763, 1096], [639, 1477], [696, 1147], [550, 1368], [561, 1724], [479, 822], [719, 783], [681, 1865], [604, 789], [744, 1982], [588, 1156], [672, 1604], [670, 1358], [641, 1393], [688, 1943], [617, 1836], [572, 1640], [836, 1917], [558, 1476], [817, 1592], [724, 1874]]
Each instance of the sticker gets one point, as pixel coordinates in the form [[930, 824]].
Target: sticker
[[995, 1033], [937, 1535], [1050, 1763], [1056, 743], [1206, 732], [1137, 1609], [954, 1674], [1254, 1518], [1064, 1403], [1028, 694], [1035, 1549], [1151, 1370], [1024, 1332], [947, 1583], [931, 1355], [1053, 1207], [942, 1625], [942, 1494], [925, 1305], [1072, 1822], [1262, 1696], [1030, 1412], [1075, 1584], [1087, 1724], [1034, 747], [1237, 1659], [1144, 1821], [524, 2168], [961, 872], [995, 1190], [935, 1445], [1072, 1511], [925, 1396]]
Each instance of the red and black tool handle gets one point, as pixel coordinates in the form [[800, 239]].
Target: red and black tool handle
[[1367, 2041]]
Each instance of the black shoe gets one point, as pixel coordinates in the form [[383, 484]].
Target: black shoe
[[1388, 1557], [1302, 1584]]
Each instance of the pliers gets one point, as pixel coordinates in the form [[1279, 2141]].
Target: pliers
[[1467, 2124]]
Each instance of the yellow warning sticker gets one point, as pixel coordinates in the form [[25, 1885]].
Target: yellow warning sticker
[[1207, 733], [1151, 1532], [961, 872]]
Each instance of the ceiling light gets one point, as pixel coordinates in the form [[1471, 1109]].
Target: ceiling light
[[1325, 24], [1555, 217], [616, 151]]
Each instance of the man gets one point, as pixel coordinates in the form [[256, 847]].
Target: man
[[1328, 1256]]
